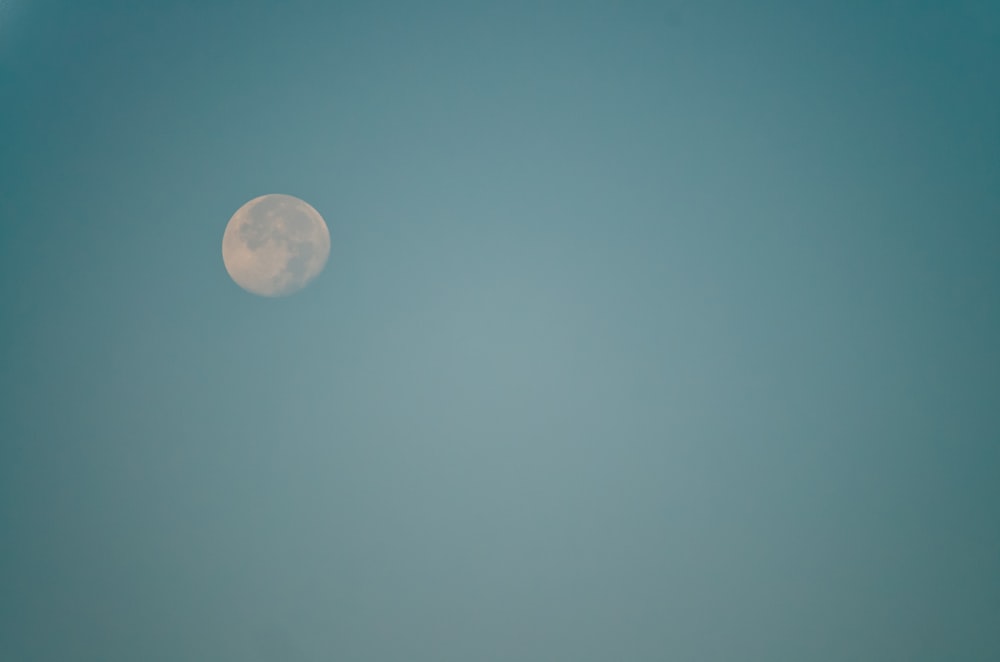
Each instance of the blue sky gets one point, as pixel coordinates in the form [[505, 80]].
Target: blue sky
[[649, 331]]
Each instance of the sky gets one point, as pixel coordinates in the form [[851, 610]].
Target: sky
[[650, 331]]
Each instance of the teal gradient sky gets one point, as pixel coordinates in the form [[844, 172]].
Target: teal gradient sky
[[650, 331]]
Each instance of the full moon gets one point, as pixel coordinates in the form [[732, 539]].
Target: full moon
[[275, 245]]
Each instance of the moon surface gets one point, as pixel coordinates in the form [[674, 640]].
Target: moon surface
[[275, 245]]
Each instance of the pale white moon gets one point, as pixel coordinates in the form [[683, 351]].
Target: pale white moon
[[275, 245]]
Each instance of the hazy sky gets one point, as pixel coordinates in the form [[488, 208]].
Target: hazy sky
[[650, 331]]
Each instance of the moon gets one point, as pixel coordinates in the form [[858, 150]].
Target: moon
[[275, 245]]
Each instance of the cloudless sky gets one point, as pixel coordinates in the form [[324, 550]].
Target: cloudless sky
[[650, 331]]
